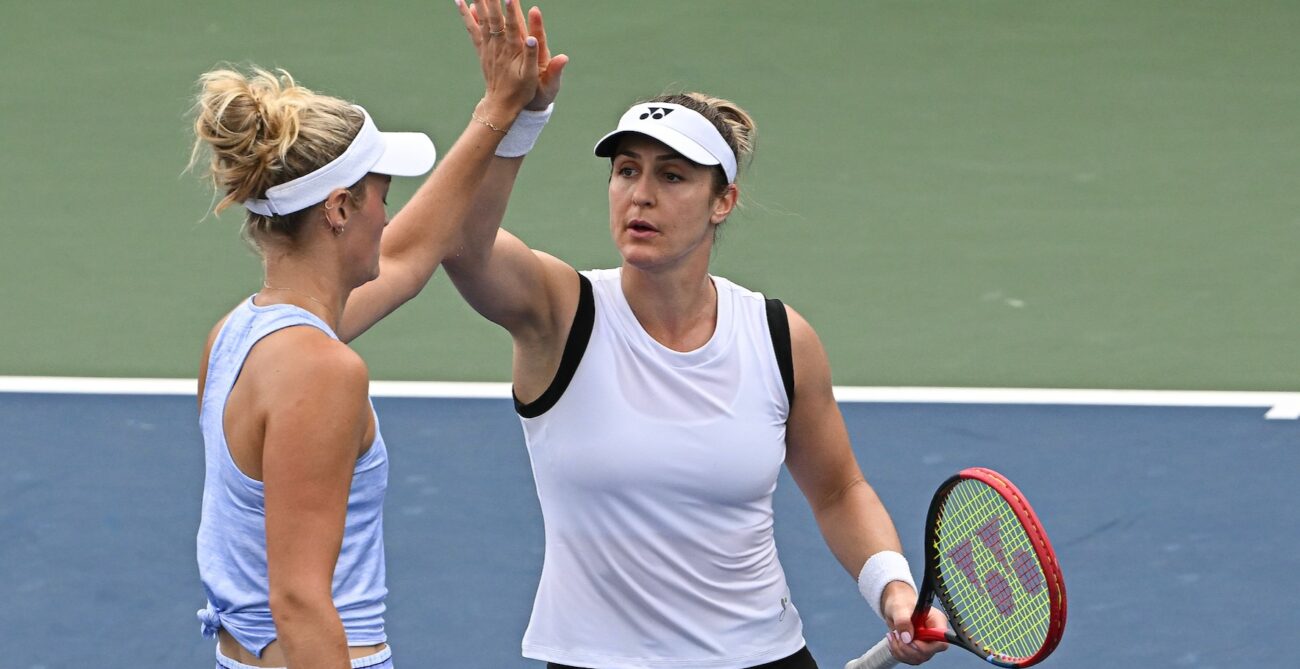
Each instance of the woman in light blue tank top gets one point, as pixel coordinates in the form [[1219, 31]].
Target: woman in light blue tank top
[[290, 543]]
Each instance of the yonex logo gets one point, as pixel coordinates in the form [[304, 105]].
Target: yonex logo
[[656, 113]]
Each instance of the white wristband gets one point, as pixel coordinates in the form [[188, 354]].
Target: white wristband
[[880, 570], [524, 132]]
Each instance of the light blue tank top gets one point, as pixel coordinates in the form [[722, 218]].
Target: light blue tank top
[[232, 530]]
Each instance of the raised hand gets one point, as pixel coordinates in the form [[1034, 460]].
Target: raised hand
[[549, 68], [508, 56]]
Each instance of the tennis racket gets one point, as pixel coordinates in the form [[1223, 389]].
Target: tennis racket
[[990, 564]]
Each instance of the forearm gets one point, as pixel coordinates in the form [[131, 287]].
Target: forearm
[[486, 211], [481, 196], [434, 221], [851, 516], [310, 632], [519, 72], [856, 525], [423, 232]]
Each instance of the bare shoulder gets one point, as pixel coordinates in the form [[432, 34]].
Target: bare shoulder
[[562, 287], [314, 393], [812, 370], [307, 351], [304, 360], [803, 338], [561, 277], [540, 348]]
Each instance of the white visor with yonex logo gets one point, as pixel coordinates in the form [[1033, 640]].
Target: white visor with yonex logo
[[682, 129], [402, 154]]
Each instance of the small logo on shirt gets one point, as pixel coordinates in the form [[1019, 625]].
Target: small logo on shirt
[[785, 603]]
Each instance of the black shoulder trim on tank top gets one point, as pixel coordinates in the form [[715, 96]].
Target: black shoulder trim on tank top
[[778, 325], [574, 347]]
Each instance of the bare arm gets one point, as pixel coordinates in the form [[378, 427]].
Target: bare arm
[[493, 192], [429, 226], [851, 516], [531, 294], [498, 275], [317, 421], [423, 232]]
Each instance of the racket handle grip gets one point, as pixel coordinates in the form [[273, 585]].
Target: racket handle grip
[[878, 657]]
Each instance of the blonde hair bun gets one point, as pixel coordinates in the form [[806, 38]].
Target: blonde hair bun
[[263, 129]]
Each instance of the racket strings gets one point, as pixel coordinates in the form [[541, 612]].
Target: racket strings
[[989, 575], [994, 614], [1002, 619], [1050, 567]]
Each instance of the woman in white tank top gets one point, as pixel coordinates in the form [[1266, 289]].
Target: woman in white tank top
[[290, 543], [658, 404]]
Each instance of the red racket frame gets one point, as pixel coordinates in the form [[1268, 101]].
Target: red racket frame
[[1042, 550]]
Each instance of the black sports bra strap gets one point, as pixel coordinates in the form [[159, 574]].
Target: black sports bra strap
[[574, 347], [778, 324]]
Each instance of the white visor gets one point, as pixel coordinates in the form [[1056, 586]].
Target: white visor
[[402, 154], [682, 129]]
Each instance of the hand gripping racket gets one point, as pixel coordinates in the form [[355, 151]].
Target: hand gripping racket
[[988, 560]]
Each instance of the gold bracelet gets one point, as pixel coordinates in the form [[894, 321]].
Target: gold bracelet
[[474, 115]]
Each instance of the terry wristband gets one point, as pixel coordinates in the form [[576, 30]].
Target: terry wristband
[[524, 132], [880, 570]]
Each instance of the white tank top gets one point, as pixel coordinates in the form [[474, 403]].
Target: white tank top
[[655, 471]]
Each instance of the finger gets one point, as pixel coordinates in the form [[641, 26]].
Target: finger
[[910, 653], [514, 19], [490, 15], [477, 14], [466, 12], [936, 620], [899, 650], [916, 651], [471, 25], [555, 68], [905, 632], [530, 65], [538, 30], [550, 77], [931, 647], [479, 20]]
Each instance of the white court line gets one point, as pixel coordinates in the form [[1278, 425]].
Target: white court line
[[76, 385], [1284, 411], [1280, 406]]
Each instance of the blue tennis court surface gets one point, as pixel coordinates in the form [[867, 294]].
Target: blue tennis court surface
[[1177, 529]]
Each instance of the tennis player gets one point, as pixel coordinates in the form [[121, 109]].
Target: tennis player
[[658, 404], [290, 544]]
